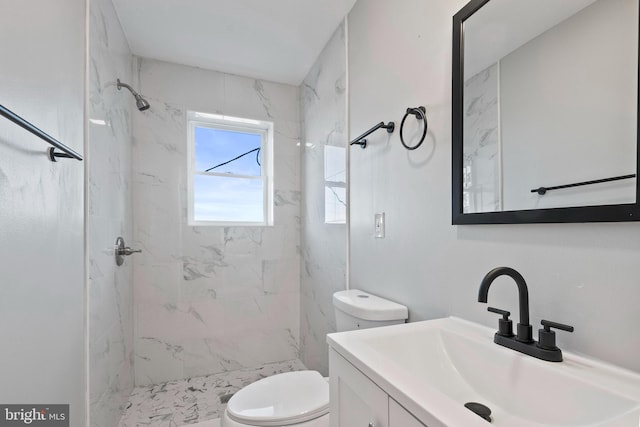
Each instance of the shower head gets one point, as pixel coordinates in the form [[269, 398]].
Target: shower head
[[141, 103]]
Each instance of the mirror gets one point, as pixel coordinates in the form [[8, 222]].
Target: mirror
[[545, 107]]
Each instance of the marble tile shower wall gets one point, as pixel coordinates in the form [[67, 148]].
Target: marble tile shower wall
[[109, 216], [323, 111], [211, 299], [482, 142]]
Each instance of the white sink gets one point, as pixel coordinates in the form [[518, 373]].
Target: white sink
[[434, 367]]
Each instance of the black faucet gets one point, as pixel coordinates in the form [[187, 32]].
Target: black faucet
[[525, 330], [523, 342]]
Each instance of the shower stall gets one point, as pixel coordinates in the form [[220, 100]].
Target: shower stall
[[207, 300]]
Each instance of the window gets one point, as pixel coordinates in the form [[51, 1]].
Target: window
[[230, 170]]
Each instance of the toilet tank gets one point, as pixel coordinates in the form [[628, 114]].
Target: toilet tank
[[355, 309]]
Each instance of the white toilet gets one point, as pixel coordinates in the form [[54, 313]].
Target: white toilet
[[302, 398]]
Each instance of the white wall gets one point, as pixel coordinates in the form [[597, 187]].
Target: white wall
[[109, 215], [578, 130], [587, 275], [211, 299], [323, 270], [42, 316]]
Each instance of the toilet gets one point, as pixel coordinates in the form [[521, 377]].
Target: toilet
[[301, 398]]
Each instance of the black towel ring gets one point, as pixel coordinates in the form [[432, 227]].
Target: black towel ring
[[420, 113]]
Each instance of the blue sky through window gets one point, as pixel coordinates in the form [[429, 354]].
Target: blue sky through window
[[227, 198], [215, 146], [218, 198]]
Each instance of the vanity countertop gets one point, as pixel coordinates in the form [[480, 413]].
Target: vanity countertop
[[434, 367]]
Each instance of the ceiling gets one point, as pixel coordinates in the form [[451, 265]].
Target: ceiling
[[276, 40], [501, 26]]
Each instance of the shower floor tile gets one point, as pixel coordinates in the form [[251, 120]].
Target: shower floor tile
[[210, 423], [193, 400]]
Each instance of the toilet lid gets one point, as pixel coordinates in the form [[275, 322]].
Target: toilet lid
[[282, 399]]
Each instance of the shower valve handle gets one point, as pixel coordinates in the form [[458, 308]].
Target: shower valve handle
[[128, 251], [121, 250]]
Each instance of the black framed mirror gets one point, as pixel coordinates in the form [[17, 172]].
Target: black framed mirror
[[545, 112]]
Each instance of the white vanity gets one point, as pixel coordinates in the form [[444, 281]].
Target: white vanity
[[422, 374], [360, 402]]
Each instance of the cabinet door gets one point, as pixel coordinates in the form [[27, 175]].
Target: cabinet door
[[355, 400], [400, 417]]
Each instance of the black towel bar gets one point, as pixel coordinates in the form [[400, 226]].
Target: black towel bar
[[66, 151], [363, 142], [543, 190]]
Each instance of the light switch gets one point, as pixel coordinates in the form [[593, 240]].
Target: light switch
[[379, 225]]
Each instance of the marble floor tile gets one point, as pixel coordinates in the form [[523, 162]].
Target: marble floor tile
[[193, 400], [210, 423]]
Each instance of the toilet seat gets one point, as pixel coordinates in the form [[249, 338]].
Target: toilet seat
[[281, 400]]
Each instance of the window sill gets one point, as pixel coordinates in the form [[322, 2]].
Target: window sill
[[227, 224]]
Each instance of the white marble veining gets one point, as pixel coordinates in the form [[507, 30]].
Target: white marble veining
[[42, 306], [323, 270], [211, 299], [208, 423], [482, 142], [109, 216], [198, 400]]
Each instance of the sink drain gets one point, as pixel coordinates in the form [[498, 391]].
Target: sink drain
[[479, 409]]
